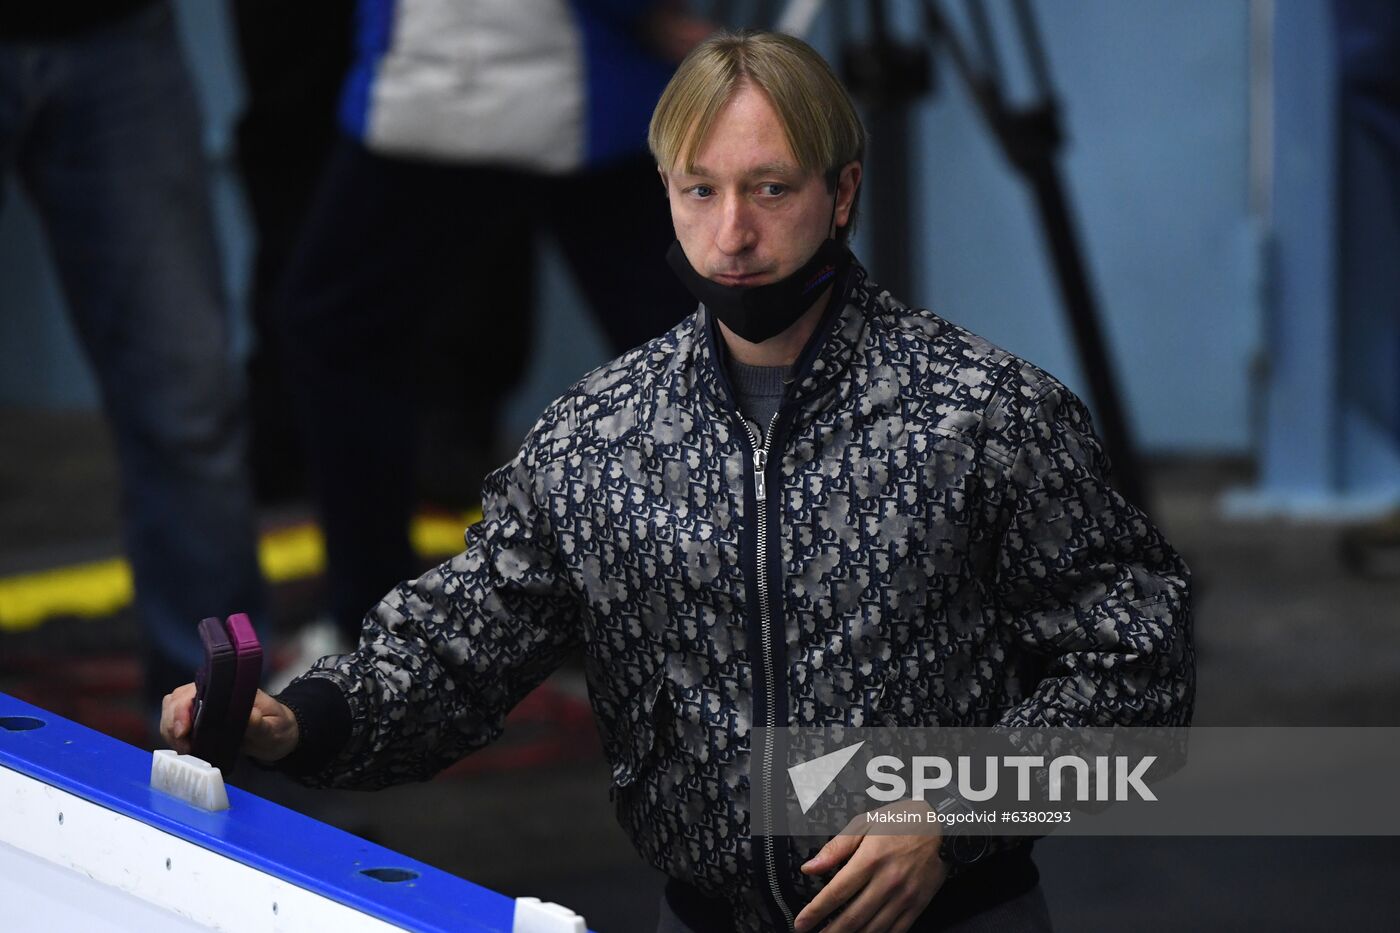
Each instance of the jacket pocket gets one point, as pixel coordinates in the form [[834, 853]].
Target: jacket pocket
[[643, 721]]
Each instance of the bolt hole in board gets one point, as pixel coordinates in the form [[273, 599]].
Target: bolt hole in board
[[87, 844]]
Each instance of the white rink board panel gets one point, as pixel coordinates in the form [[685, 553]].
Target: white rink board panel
[[57, 900], [98, 856]]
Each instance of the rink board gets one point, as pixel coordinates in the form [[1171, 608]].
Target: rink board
[[87, 844]]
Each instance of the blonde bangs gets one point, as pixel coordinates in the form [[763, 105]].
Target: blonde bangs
[[822, 127], [693, 98]]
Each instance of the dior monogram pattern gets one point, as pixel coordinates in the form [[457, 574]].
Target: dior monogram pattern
[[943, 548]]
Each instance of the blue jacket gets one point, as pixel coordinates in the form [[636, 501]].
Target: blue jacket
[[544, 85], [923, 536]]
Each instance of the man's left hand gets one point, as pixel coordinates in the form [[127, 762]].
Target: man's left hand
[[884, 884]]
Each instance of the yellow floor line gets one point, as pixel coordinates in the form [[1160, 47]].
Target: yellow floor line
[[98, 588], [102, 587]]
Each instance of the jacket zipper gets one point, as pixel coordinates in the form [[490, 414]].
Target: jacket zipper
[[765, 619]]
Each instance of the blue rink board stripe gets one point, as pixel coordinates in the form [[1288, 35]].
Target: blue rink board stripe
[[278, 841]]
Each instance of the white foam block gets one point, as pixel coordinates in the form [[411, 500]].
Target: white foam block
[[535, 916], [192, 779]]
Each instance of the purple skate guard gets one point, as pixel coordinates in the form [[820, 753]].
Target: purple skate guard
[[213, 684], [247, 675]]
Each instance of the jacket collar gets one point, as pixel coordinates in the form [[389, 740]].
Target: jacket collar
[[823, 361]]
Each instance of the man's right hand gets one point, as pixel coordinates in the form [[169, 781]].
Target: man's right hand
[[272, 729]]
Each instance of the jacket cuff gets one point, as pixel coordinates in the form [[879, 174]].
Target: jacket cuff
[[323, 725]]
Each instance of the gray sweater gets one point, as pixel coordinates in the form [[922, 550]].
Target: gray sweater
[[758, 390]]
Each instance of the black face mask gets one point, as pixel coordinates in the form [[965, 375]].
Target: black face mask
[[758, 312]]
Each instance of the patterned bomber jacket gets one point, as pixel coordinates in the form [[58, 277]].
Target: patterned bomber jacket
[[928, 539]]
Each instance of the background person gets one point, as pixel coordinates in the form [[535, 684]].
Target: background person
[[467, 128], [100, 127]]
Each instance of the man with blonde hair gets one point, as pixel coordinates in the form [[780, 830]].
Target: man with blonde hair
[[807, 505]]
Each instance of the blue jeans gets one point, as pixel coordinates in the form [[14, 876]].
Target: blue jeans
[[102, 132]]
